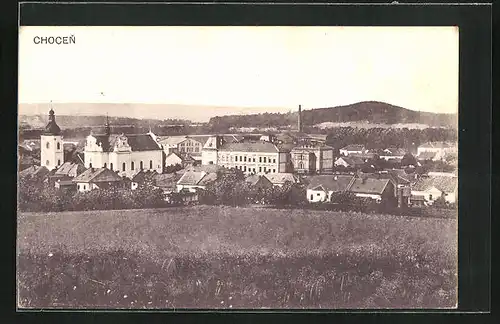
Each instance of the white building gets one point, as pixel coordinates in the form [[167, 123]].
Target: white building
[[353, 149], [101, 178], [430, 188], [123, 153], [258, 157], [441, 149], [51, 152]]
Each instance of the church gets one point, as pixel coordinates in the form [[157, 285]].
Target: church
[[126, 154]]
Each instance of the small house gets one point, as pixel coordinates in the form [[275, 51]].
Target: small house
[[258, 181], [321, 187], [353, 149], [101, 178], [193, 180], [279, 179], [430, 188]]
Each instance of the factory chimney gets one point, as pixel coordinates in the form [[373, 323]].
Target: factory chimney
[[299, 121]]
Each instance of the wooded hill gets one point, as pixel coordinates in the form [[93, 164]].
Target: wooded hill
[[368, 111]]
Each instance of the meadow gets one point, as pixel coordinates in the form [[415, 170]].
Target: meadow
[[233, 258]]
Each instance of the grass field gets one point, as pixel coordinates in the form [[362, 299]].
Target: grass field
[[225, 257]]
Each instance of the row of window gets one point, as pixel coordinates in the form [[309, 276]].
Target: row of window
[[124, 165], [245, 169], [58, 145], [241, 158]]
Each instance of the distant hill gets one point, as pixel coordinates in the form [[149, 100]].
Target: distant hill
[[371, 112], [65, 121]]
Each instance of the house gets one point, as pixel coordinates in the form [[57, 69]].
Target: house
[[125, 153], [193, 180], [392, 153], [140, 177], [258, 157], [374, 188], [353, 162], [353, 149], [67, 185], [308, 158], [101, 178], [181, 144], [321, 187], [258, 181], [66, 172], [173, 159], [34, 172], [430, 188], [167, 182], [279, 179], [442, 149]]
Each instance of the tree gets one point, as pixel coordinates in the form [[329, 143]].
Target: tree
[[408, 159]]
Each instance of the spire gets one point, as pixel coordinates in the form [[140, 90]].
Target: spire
[[107, 127], [52, 128]]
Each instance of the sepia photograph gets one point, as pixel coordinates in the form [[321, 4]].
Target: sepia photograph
[[244, 168]]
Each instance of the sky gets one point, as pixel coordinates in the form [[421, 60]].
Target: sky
[[261, 68]]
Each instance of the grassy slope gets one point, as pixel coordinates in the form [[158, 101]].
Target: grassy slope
[[182, 257]]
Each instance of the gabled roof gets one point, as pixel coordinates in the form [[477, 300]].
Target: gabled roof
[[333, 183], [258, 146], [369, 185], [167, 180], [191, 178], [70, 169], [442, 183], [33, 171], [352, 160], [140, 175], [254, 179], [137, 142], [393, 152], [281, 178], [98, 175], [208, 178], [354, 147]]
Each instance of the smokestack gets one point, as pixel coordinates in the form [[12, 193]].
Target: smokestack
[[299, 121]]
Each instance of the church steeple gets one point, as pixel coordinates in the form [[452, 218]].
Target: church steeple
[[52, 128]]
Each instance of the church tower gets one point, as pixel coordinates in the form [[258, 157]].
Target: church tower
[[52, 153]]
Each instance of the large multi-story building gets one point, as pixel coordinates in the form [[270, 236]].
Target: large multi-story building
[[123, 153], [312, 159], [258, 157], [181, 145]]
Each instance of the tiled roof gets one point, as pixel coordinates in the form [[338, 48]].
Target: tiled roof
[[260, 146], [354, 147], [363, 155], [442, 183], [369, 185], [98, 175], [34, 170], [70, 169], [393, 152], [208, 178], [352, 160], [281, 178], [329, 182], [191, 178], [168, 180], [137, 142]]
